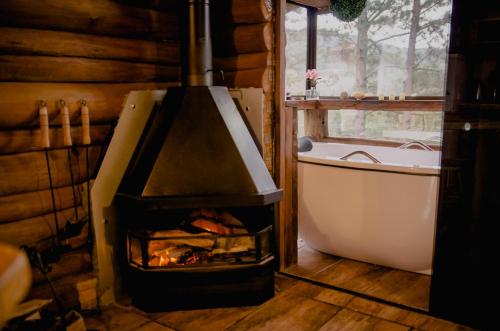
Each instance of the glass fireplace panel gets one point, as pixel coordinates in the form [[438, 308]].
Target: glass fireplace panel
[[173, 248]]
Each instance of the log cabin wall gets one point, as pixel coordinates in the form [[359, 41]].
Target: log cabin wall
[[98, 51]]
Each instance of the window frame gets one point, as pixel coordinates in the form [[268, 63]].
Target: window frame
[[411, 104]]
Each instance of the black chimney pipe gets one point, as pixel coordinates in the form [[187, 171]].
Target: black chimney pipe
[[197, 45]]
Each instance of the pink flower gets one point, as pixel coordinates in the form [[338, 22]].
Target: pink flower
[[312, 74]]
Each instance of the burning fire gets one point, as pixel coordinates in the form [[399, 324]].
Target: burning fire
[[184, 247]]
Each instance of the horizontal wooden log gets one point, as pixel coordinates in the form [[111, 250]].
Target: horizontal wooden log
[[27, 172], [22, 68], [244, 61], [251, 38], [71, 263], [57, 43], [18, 141], [230, 11], [31, 204], [18, 101], [248, 78], [102, 17], [251, 11], [33, 231], [65, 288], [407, 105]]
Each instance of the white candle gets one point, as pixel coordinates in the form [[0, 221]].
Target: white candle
[[381, 97], [402, 96], [391, 96]]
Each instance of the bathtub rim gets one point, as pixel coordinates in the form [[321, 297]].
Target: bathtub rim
[[368, 166]]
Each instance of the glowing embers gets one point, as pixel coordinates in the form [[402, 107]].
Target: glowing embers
[[206, 237]]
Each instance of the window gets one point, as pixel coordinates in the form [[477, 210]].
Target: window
[[296, 48], [394, 47]]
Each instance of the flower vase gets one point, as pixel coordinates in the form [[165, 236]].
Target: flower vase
[[312, 93]]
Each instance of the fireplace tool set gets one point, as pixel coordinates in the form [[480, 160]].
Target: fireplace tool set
[[73, 226]]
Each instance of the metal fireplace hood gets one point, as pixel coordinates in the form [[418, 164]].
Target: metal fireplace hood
[[196, 149]]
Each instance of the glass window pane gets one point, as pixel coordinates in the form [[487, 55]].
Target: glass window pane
[[295, 51], [392, 47], [386, 125]]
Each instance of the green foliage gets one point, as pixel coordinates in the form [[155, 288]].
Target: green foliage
[[347, 10]]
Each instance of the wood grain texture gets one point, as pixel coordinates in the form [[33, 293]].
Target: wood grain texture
[[405, 317], [35, 231], [237, 12], [326, 295], [101, 17], [244, 61], [316, 123], [247, 38], [234, 11], [350, 320], [217, 318], [19, 141], [26, 205], [251, 11], [23, 41], [23, 68], [310, 262], [296, 306], [117, 318], [398, 286], [407, 105], [283, 313], [27, 172], [18, 101], [247, 78], [282, 140]]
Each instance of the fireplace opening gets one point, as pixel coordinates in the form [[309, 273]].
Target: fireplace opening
[[199, 237]]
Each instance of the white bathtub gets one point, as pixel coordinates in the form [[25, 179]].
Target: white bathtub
[[381, 213]]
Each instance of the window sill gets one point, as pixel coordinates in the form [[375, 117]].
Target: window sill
[[420, 104]]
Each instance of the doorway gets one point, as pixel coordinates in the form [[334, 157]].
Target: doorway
[[381, 86]]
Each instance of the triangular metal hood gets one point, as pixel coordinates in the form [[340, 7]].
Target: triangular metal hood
[[196, 150]]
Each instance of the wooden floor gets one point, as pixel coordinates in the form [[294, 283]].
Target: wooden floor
[[401, 287], [297, 305]]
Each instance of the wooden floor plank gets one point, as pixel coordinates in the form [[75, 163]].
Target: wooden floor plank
[[405, 317], [115, 318], [350, 320], [200, 319], [344, 272], [398, 286], [288, 312], [298, 305], [322, 294], [153, 326], [311, 262]]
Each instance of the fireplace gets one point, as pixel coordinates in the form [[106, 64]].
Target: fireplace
[[183, 205]]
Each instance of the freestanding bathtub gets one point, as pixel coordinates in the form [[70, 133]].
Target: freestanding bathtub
[[382, 213]]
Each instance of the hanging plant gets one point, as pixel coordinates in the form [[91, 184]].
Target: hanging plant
[[347, 10]]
